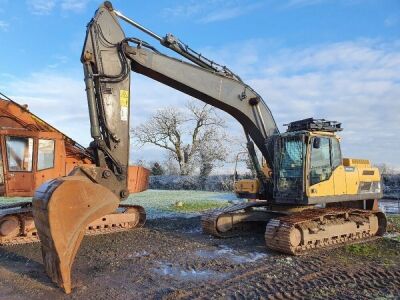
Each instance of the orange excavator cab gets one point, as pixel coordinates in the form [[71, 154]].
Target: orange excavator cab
[[32, 151]]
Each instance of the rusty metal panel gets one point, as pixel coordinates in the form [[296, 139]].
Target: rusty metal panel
[[138, 179]]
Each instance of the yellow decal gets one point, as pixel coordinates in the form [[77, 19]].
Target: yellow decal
[[124, 98]]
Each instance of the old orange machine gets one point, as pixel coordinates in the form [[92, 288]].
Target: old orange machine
[[33, 152]]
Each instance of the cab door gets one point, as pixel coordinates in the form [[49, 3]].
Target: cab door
[[19, 168], [339, 173], [320, 172]]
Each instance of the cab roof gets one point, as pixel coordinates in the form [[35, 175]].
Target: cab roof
[[311, 124]]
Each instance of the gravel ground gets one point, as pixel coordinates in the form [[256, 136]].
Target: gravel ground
[[171, 259]]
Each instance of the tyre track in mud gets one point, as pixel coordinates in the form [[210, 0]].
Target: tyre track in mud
[[305, 280]]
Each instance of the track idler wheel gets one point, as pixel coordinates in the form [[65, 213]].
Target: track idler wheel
[[9, 227], [62, 209]]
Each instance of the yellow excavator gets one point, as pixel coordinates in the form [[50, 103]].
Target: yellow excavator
[[306, 195]]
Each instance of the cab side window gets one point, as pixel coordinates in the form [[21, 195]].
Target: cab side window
[[320, 168], [45, 154], [336, 153]]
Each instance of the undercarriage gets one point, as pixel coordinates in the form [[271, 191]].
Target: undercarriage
[[17, 225], [296, 230]]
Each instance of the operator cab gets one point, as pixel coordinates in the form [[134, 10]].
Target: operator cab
[[309, 149], [31, 151], [27, 159], [309, 167]]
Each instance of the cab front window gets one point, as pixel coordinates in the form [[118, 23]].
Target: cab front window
[[290, 165]]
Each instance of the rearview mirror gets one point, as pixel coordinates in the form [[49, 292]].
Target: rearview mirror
[[316, 143]]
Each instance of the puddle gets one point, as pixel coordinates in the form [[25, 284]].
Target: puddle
[[230, 254], [167, 269]]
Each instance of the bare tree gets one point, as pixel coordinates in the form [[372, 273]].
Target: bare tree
[[211, 151], [171, 165], [182, 134]]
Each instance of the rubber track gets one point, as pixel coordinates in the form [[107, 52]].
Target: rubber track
[[94, 231], [277, 233], [210, 218]]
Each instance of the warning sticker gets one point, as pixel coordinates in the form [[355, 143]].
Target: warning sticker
[[124, 114], [124, 98], [124, 102]]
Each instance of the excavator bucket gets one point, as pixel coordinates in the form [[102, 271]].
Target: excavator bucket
[[62, 209]]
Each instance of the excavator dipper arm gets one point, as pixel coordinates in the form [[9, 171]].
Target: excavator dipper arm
[[63, 208]]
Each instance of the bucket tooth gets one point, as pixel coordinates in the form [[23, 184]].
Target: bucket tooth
[[62, 209]]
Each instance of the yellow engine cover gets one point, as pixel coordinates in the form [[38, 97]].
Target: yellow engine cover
[[353, 177]]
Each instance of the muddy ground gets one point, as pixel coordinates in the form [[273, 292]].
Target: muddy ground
[[172, 259]]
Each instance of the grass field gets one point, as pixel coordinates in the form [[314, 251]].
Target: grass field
[[163, 203], [160, 203]]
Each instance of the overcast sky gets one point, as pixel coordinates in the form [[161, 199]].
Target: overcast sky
[[332, 59]]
